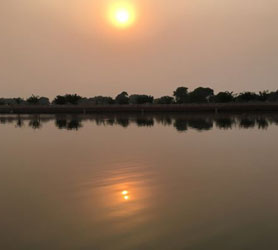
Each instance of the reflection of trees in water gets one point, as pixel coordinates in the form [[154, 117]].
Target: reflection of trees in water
[[124, 122], [110, 122], [164, 120], [225, 123], [181, 122], [73, 124], [181, 125], [141, 122], [19, 122], [200, 124], [35, 123], [247, 123], [262, 123]]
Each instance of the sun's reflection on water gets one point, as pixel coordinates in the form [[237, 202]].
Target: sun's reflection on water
[[126, 189]]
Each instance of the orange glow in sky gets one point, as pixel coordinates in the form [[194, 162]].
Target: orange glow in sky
[[121, 14]]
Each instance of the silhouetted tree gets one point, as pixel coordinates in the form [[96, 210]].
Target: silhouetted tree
[[140, 99], [33, 100], [18, 100], [247, 97], [67, 99], [164, 100], [263, 96], [102, 100], [273, 96], [43, 101], [122, 98], [181, 95], [224, 97], [201, 95], [60, 100]]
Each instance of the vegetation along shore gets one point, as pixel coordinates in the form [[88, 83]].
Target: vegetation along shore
[[199, 100]]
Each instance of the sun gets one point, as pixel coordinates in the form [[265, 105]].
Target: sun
[[122, 14]]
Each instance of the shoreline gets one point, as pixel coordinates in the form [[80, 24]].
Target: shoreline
[[179, 108]]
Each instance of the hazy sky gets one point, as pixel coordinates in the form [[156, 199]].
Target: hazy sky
[[50, 47]]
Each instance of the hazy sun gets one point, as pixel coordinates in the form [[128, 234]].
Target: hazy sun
[[122, 14]]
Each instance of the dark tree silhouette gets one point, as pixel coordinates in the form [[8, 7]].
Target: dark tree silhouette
[[33, 100], [140, 99], [224, 97], [164, 100], [18, 100], [247, 97], [102, 100], [67, 99], [201, 95], [181, 95], [122, 98]]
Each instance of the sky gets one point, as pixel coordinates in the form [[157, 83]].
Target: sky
[[51, 47]]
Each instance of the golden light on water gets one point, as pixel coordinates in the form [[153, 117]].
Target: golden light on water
[[125, 192], [125, 195], [122, 14]]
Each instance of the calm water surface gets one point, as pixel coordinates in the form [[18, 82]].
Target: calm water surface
[[193, 182]]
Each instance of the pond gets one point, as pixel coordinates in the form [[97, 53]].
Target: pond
[[147, 181]]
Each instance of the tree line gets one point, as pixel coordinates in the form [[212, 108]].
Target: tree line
[[180, 96]]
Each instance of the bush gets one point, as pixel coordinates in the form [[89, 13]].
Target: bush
[[224, 97], [181, 95], [140, 99], [122, 98], [164, 100]]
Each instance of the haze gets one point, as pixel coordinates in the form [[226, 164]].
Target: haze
[[51, 47]]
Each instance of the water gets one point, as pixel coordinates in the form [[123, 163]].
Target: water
[[193, 182]]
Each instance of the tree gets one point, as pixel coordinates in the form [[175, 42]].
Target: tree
[[181, 95], [273, 97], [122, 98], [60, 100], [140, 99], [164, 100], [44, 101], [201, 95], [224, 97], [102, 100], [247, 97], [33, 100], [67, 99], [18, 100]]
